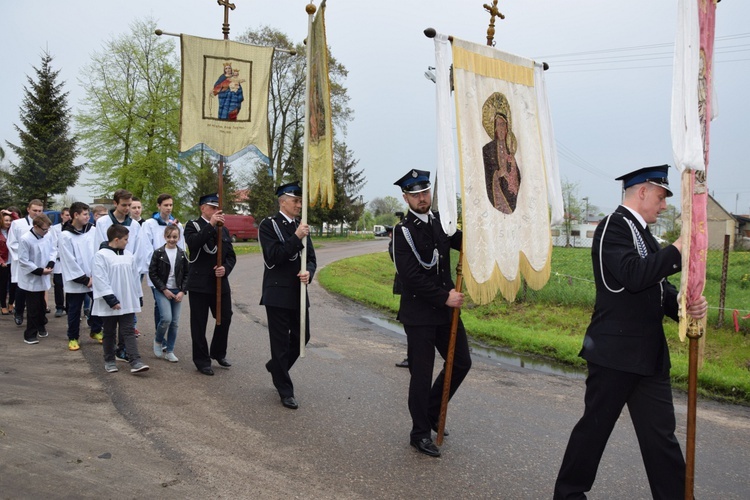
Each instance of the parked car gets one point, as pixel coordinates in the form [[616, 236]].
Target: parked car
[[379, 230], [241, 227]]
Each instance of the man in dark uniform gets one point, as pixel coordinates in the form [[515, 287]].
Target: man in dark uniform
[[421, 252], [201, 237], [280, 238], [625, 347]]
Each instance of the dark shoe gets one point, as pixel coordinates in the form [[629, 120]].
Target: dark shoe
[[59, 312], [426, 446], [224, 362], [31, 341], [18, 319], [43, 333], [445, 431], [290, 402], [121, 355], [46, 310], [268, 366], [206, 370], [404, 363]]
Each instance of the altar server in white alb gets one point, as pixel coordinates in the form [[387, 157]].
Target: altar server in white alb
[[75, 248], [117, 296], [36, 260]]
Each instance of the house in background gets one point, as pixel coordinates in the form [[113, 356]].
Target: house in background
[[720, 222]]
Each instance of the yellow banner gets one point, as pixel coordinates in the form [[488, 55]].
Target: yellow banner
[[224, 95], [320, 130]]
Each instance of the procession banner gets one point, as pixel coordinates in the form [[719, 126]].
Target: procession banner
[[692, 112], [504, 187], [224, 96], [320, 130]]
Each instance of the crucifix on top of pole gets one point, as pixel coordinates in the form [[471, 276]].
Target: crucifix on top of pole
[[494, 12], [225, 27]]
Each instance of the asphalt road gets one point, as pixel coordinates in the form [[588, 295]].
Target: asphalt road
[[70, 430]]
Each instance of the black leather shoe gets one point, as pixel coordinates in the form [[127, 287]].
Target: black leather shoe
[[290, 402], [426, 446], [206, 370], [404, 363], [445, 431], [268, 366], [18, 319], [224, 362]]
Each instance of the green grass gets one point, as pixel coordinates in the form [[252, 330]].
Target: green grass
[[551, 322]]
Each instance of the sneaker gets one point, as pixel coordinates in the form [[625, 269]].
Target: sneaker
[[164, 348], [138, 366], [73, 345], [136, 332], [18, 319], [122, 356], [98, 336], [157, 349], [171, 357], [87, 313], [59, 312], [43, 333], [110, 366], [31, 341]]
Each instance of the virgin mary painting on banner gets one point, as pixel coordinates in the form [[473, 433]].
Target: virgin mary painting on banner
[[224, 96], [503, 171]]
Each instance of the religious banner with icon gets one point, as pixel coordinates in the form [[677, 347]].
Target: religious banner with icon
[[224, 96], [692, 112], [320, 148], [504, 185]]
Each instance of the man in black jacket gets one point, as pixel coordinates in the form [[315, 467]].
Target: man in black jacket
[[625, 347], [201, 237], [421, 252], [280, 237]]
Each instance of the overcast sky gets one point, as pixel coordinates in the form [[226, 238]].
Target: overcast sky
[[609, 83]]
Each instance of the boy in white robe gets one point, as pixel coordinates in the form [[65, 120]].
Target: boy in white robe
[[36, 259], [117, 296], [76, 252]]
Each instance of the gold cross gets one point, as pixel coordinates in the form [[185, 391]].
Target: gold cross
[[491, 30], [225, 27]]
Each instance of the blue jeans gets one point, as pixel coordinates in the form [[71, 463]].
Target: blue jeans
[[169, 312]]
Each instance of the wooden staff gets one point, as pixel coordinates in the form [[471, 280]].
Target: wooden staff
[[694, 333], [219, 227], [451, 354]]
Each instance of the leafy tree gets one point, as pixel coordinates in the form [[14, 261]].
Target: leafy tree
[[130, 125], [286, 100], [47, 149], [262, 193], [388, 205]]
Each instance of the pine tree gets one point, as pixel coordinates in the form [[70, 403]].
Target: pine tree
[[47, 149]]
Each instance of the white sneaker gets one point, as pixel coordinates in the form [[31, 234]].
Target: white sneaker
[[171, 357], [157, 349]]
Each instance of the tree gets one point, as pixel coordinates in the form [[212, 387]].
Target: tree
[[47, 149], [573, 207], [348, 206], [286, 100], [670, 220], [386, 206], [130, 125], [261, 195], [206, 180]]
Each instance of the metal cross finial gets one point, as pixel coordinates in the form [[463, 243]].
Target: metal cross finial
[[225, 27], [491, 30]]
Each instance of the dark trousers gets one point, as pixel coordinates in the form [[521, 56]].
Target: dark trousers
[[125, 324], [75, 303], [59, 291], [649, 401], [36, 315], [200, 305], [424, 395], [4, 282], [284, 333], [20, 302]]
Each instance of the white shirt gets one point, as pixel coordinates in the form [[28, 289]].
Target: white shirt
[[76, 253], [118, 275], [34, 252], [18, 228]]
